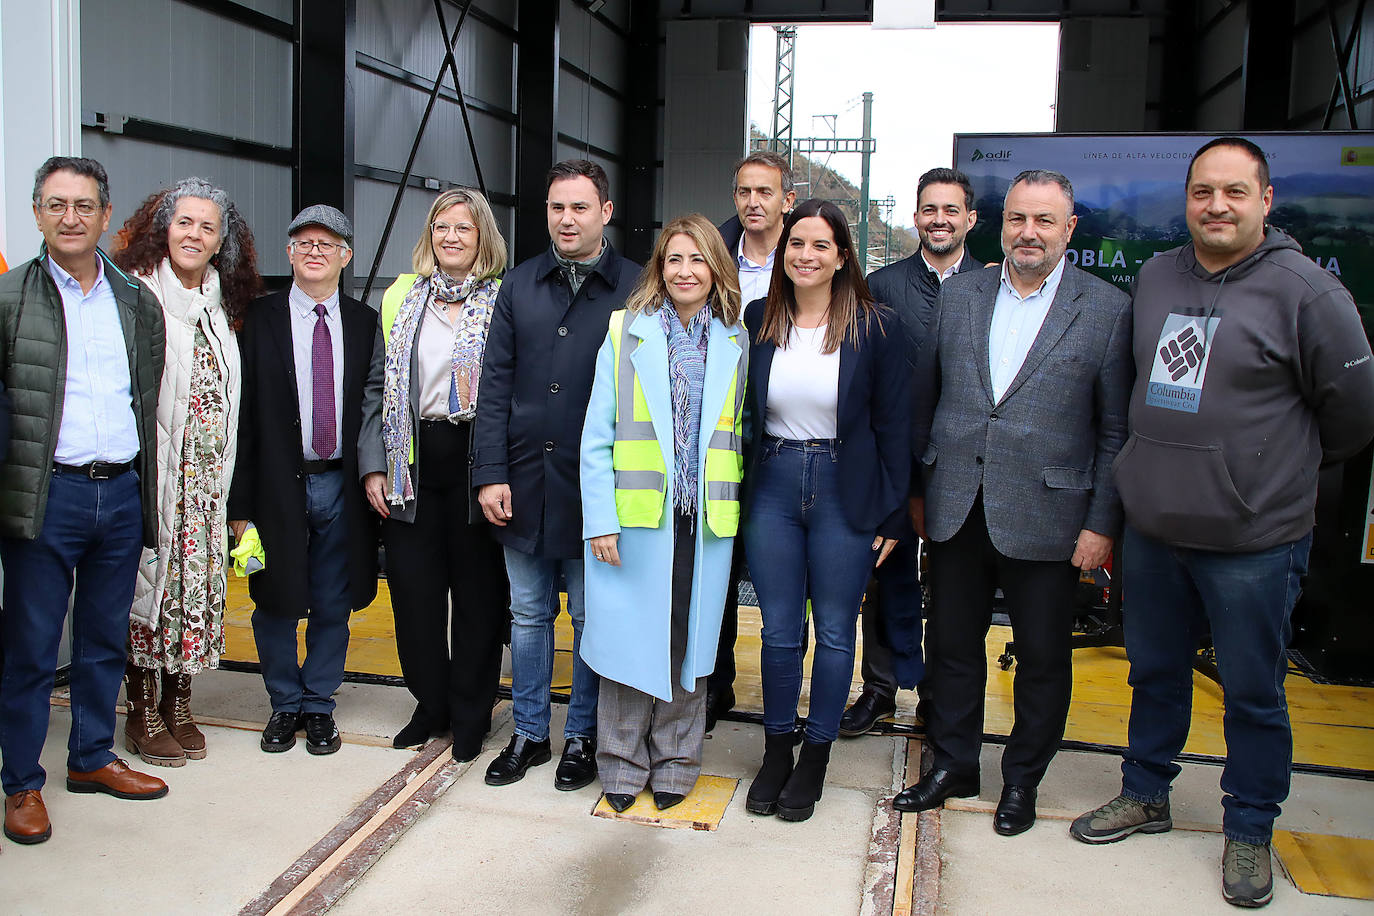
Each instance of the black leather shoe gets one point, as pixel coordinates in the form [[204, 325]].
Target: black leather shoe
[[933, 789], [321, 734], [1016, 811], [619, 801], [280, 733], [718, 704], [577, 766], [865, 713], [521, 754], [415, 733], [665, 800]]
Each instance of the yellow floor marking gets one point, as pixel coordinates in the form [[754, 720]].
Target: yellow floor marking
[[1330, 723], [702, 809], [1333, 866]]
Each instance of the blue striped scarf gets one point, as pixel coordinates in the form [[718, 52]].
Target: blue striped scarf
[[687, 378]]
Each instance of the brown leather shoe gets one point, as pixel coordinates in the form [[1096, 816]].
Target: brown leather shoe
[[118, 780], [26, 817], [175, 709]]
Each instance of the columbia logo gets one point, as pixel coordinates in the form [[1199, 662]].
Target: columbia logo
[[1182, 353]]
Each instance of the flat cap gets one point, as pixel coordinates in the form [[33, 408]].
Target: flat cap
[[324, 216]]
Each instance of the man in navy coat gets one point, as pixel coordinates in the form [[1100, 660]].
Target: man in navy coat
[[550, 319]]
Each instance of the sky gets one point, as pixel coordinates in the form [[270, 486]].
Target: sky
[[927, 85]]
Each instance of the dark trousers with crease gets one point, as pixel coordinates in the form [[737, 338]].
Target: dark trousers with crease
[[448, 593], [965, 571]]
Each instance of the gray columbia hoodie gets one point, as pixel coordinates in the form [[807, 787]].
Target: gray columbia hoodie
[[1247, 380]]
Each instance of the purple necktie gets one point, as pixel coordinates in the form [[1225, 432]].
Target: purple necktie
[[322, 432]]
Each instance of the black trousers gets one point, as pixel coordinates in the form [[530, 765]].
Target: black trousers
[[449, 594], [723, 677], [965, 571]]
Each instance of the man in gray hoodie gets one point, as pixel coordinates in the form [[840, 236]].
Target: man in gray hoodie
[[1252, 369]]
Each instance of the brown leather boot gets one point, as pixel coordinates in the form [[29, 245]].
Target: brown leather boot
[[175, 709], [145, 734]]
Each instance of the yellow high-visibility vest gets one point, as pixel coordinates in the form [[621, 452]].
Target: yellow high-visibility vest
[[641, 479]]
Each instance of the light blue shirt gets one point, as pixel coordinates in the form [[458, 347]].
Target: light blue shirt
[[1015, 323], [303, 320], [98, 422], [753, 278]]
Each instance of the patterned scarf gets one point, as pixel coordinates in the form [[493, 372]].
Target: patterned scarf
[[687, 375], [468, 346]]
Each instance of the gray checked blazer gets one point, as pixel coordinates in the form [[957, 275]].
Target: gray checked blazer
[[1043, 453]]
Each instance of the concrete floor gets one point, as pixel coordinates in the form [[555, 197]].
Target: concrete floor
[[233, 822], [1046, 871]]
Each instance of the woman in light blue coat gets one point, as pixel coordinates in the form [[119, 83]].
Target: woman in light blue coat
[[660, 471]]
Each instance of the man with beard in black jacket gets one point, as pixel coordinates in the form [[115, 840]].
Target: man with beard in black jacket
[[892, 608]]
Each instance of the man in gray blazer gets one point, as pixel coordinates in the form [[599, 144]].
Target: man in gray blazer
[[1023, 387]]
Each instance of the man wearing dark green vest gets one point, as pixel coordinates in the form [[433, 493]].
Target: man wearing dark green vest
[[81, 350]]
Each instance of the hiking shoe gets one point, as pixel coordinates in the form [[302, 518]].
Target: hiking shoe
[[1119, 818], [1247, 877]]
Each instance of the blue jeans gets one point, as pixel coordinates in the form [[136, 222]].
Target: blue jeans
[[94, 530], [1172, 595], [800, 545], [533, 607], [310, 686]]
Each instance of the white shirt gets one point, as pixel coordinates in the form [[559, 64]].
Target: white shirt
[[803, 388], [303, 320], [1015, 323], [753, 278], [941, 275], [98, 421]]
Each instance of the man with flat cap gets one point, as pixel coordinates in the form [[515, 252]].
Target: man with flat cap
[[306, 352]]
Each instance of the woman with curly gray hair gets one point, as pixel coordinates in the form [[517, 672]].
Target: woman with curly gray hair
[[191, 247]]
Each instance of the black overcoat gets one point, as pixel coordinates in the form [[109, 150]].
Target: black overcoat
[[269, 477], [536, 381]]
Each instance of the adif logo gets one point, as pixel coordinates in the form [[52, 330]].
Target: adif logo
[[1180, 365], [1000, 155]]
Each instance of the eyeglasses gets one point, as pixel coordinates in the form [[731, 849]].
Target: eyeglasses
[[443, 229], [305, 246], [58, 208]]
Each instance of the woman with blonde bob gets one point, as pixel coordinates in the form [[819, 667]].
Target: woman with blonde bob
[[418, 411], [661, 465]]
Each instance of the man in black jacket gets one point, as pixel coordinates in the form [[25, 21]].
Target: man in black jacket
[[550, 319], [306, 352], [892, 609], [81, 352]]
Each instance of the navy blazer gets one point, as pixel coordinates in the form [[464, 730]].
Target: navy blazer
[[536, 380], [873, 422]]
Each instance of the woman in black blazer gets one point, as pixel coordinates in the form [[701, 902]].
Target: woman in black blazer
[[825, 486]]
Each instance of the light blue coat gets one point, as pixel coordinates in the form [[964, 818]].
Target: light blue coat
[[626, 635]]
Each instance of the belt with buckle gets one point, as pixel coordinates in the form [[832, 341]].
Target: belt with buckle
[[96, 470], [321, 467]]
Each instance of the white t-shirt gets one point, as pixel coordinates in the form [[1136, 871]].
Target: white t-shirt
[[803, 388]]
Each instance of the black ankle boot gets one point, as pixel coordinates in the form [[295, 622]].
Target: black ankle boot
[[772, 774], [798, 798]]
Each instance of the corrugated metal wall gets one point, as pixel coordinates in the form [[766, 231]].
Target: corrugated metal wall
[[400, 49], [177, 65], [180, 66], [592, 91]]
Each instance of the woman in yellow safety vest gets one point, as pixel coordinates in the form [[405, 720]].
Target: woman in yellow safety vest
[[660, 474], [447, 578]]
